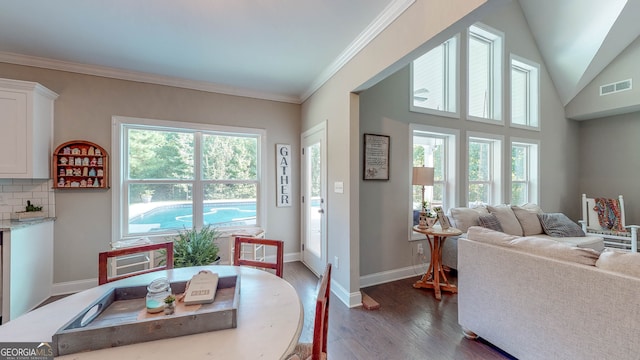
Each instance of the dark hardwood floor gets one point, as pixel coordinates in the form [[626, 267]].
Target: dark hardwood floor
[[410, 324]]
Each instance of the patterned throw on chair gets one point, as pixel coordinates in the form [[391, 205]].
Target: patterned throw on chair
[[609, 214]]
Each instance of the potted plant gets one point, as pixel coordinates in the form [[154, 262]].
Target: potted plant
[[169, 304], [193, 247], [31, 212], [146, 195]]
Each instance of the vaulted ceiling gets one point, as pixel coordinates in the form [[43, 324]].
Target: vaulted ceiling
[[274, 49]]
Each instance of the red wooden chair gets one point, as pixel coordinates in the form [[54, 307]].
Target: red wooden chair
[[103, 260], [318, 349], [238, 258]]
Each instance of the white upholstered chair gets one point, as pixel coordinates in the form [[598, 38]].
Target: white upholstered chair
[[605, 218]]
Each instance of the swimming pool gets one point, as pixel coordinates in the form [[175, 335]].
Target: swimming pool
[[181, 216]]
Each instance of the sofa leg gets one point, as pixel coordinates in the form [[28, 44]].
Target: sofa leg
[[469, 334]]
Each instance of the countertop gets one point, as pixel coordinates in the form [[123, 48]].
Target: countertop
[[8, 225]]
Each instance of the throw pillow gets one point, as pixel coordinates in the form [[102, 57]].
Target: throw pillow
[[489, 236], [490, 222], [464, 217], [559, 225], [507, 218], [556, 250], [620, 262], [528, 219]]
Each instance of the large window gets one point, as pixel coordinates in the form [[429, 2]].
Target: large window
[[434, 79], [524, 171], [525, 93], [435, 147], [173, 175], [485, 73], [484, 182]]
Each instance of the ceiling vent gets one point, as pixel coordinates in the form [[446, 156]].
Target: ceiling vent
[[623, 85]]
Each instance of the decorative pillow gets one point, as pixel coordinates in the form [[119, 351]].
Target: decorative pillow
[[556, 250], [489, 236], [620, 262], [528, 219], [559, 225], [490, 222], [507, 219], [464, 217]]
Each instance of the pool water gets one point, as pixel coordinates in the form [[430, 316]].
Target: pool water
[[181, 216]]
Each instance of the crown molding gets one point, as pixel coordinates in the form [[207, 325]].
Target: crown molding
[[121, 74], [384, 19]]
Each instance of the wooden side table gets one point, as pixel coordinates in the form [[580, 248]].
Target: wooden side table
[[435, 272]]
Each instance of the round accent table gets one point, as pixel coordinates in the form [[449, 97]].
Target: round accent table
[[432, 278]]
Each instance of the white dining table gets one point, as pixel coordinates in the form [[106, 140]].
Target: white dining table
[[269, 321]]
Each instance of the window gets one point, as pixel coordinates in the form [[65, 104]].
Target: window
[[173, 175], [435, 147], [525, 80], [485, 73], [524, 172], [434, 79], [484, 181]]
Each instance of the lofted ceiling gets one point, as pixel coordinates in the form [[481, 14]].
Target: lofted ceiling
[[273, 49]]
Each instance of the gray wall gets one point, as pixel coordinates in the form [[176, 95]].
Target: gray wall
[[384, 109], [84, 111]]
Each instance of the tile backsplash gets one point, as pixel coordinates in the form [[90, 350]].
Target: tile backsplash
[[14, 194]]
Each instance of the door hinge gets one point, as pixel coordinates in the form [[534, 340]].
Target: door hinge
[[302, 247]]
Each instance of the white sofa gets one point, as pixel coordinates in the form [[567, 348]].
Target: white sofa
[[533, 306], [515, 220]]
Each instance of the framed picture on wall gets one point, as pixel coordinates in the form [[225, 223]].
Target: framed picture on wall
[[376, 157], [442, 218]]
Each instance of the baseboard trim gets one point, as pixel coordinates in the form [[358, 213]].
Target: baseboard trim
[[392, 275]]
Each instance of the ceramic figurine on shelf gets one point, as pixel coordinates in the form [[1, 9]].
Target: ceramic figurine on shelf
[[77, 172], [83, 151], [75, 151], [99, 161], [85, 172], [69, 172], [63, 160], [78, 161], [66, 150], [100, 172], [83, 183], [61, 182], [92, 150], [71, 160], [94, 162], [101, 182], [98, 152], [90, 182], [67, 183], [96, 183], [85, 161], [61, 172], [92, 172]]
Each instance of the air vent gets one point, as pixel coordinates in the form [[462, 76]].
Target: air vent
[[623, 85]]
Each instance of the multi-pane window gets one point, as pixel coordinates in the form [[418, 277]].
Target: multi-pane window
[[177, 175], [485, 73], [484, 182], [434, 79], [524, 172], [435, 147], [525, 80]]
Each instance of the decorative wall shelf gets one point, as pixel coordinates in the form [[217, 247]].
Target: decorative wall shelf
[[80, 164]]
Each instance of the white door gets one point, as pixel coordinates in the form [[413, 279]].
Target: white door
[[314, 225]]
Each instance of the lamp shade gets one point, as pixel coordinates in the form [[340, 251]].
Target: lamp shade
[[422, 176]]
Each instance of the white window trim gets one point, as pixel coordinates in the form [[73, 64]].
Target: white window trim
[[497, 38], [119, 206], [451, 162], [497, 160], [533, 163], [534, 90], [423, 110]]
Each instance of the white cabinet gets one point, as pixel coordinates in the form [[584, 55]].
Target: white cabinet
[[26, 119]]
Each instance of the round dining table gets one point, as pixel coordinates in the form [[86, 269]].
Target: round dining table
[[269, 321]]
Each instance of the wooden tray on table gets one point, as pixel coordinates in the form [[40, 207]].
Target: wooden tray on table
[[120, 318]]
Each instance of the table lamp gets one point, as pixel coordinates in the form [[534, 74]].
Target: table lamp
[[422, 176]]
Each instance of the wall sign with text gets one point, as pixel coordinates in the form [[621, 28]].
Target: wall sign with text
[[283, 175], [376, 157]]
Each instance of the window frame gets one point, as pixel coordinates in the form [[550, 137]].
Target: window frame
[[120, 196], [495, 39], [532, 98], [451, 159], [451, 69], [532, 167], [496, 180]]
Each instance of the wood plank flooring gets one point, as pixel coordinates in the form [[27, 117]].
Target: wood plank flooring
[[410, 324]]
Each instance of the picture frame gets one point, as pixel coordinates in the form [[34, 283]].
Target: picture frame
[[376, 157], [442, 218]]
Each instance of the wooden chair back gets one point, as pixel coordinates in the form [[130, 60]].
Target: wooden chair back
[[103, 260], [321, 322], [239, 260]]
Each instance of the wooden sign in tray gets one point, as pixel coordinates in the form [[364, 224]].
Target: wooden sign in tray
[[120, 318]]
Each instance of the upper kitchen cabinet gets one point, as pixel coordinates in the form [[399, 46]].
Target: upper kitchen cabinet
[[26, 120]]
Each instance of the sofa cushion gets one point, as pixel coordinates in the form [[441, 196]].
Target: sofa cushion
[[559, 225], [620, 262], [463, 217], [507, 218], [489, 236], [528, 219], [556, 250], [490, 221]]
